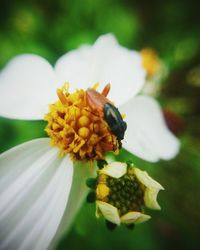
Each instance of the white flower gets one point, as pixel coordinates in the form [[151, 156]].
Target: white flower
[[156, 72], [121, 198], [40, 192]]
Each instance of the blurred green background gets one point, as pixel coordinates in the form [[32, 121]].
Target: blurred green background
[[50, 28]]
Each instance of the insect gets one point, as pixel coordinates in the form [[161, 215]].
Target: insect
[[102, 105]]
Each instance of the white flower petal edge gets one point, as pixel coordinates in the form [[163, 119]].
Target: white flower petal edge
[[150, 198], [104, 62], [109, 212], [27, 86], [152, 188], [146, 180], [134, 217], [115, 169], [119, 66], [147, 135], [35, 185], [79, 190]]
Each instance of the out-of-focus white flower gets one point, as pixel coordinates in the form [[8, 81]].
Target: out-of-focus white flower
[[39, 191], [156, 72]]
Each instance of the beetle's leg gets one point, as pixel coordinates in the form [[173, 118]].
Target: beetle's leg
[[106, 90]]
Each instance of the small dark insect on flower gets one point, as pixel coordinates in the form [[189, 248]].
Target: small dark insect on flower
[[101, 105]]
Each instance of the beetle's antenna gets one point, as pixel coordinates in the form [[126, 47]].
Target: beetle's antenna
[[106, 90]]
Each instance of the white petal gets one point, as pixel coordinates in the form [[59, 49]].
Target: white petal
[[79, 190], [27, 86], [74, 67], [146, 180], [150, 198], [115, 169], [134, 217], [147, 135], [104, 62], [120, 67], [35, 185], [109, 212]]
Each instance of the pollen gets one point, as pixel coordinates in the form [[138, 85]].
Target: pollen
[[102, 191], [150, 61], [84, 132], [76, 130]]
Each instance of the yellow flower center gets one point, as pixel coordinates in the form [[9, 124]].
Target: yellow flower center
[[150, 61], [76, 130]]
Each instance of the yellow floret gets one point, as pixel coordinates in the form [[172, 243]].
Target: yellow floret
[[150, 61], [75, 129]]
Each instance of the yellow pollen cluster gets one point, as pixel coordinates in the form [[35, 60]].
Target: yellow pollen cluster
[[150, 61], [102, 190], [76, 130]]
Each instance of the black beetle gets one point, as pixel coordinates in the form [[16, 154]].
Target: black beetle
[[114, 120]]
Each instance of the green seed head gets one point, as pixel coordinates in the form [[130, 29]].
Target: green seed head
[[126, 193]]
